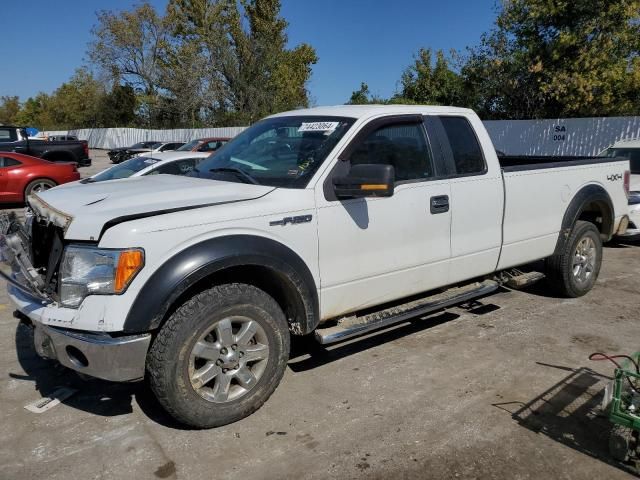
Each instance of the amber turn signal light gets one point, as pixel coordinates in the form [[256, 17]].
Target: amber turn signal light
[[129, 263]]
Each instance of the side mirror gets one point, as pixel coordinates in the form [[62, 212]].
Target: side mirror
[[366, 180]]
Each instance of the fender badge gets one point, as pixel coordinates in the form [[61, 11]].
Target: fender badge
[[292, 220]]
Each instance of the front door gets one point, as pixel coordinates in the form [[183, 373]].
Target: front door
[[374, 250]]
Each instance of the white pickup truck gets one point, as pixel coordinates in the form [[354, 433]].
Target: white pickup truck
[[334, 221]]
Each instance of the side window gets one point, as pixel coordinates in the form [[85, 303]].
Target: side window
[[8, 162], [403, 146], [8, 135], [467, 154]]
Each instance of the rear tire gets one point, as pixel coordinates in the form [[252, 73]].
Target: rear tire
[[39, 185], [219, 356], [574, 271]]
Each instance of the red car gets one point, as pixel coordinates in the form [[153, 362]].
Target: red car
[[22, 175], [210, 144]]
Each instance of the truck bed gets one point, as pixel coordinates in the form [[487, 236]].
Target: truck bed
[[538, 191]]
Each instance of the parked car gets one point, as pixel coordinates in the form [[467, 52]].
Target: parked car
[[630, 149], [15, 139], [121, 154], [173, 163], [22, 175], [162, 147], [210, 144], [332, 221]]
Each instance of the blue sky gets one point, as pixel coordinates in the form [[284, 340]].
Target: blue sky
[[356, 40]]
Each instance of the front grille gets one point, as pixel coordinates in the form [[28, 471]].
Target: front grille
[[46, 251]]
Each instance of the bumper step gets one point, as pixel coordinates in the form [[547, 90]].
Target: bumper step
[[354, 326]]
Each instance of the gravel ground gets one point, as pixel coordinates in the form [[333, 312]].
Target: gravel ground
[[500, 390]]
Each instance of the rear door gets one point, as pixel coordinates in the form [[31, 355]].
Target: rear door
[[373, 250], [477, 194]]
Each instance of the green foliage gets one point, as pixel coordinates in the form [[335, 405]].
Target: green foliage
[[205, 61], [429, 84], [117, 108], [422, 83], [555, 59], [9, 108]]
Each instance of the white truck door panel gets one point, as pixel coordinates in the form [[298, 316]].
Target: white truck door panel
[[379, 249], [477, 195], [374, 250]]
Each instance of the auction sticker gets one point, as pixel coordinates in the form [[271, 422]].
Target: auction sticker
[[318, 126]]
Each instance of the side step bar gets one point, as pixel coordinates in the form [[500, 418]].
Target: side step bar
[[354, 326]]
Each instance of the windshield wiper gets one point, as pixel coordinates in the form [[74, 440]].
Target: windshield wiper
[[239, 173], [87, 180]]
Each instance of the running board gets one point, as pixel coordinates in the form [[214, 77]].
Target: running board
[[354, 326]]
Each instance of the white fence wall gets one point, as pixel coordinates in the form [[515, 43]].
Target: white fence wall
[[123, 137], [573, 136]]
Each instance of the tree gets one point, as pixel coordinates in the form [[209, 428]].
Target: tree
[[9, 108], [75, 104], [251, 72], [361, 96], [118, 107], [426, 83], [36, 112], [129, 46], [554, 59]]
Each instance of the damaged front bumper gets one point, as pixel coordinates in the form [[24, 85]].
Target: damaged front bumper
[[100, 355]]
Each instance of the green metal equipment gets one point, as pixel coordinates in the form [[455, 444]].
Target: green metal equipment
[[622, 404]]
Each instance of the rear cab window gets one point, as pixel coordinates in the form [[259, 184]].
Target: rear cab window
[[8, 135], [458, 144]]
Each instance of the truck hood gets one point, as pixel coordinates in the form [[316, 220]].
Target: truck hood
[[83, 210]]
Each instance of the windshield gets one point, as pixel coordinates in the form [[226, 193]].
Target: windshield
[[187, 147], [279, 152], [124, 169], [633, 154]]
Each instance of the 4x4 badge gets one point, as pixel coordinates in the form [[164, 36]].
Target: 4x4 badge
[[614, 177]]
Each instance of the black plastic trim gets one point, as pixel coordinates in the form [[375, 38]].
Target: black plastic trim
[[519, 163], [204, 259], [586, 195]]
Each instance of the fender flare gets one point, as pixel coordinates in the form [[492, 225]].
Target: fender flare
[[584, 196], [159, 293]]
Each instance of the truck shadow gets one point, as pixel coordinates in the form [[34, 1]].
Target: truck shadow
[[569, 413], [307, 354], [109, 399], [98, 397]]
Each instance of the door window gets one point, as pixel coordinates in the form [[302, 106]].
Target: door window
[[403, 146]]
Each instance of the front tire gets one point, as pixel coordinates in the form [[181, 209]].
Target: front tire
[[574, 271], [219, 356]]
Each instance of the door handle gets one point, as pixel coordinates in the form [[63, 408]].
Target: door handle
[[439, 204]]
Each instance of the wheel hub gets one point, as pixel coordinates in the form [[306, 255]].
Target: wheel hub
[[584, 260], [228, 359]]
